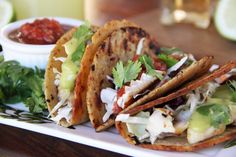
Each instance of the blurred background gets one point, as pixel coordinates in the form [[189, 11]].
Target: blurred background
[[96, 11], [180, 23]]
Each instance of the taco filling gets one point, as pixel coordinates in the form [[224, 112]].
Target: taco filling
[[65, 80], [139, 76], [201, 114]]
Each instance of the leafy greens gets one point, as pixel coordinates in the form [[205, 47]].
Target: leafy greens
[[22, 84], [125, 73]]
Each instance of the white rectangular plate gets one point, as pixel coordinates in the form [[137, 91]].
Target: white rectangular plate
[[110, 140]]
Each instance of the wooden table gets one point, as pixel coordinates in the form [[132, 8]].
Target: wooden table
[[17, 142], [188, 38]]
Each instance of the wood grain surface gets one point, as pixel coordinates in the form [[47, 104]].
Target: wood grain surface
[[17, 142], [189, 38]]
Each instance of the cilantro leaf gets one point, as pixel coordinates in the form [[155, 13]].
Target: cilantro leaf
[[19, 84], [132, 70], [217, 113], [147, 61], [123, 74], [171, 50], [118, 73], [168, 60]]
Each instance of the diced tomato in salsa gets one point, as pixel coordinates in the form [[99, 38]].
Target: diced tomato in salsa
[[41, 32]]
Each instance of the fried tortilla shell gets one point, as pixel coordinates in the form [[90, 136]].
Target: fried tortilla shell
[[180, 143], [119, 45], [185, 89], [79, 107]]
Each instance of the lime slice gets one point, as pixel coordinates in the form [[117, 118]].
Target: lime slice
[[225, 18], [6, 12]]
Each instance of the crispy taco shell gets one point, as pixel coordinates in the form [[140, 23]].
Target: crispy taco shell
[[120, 45], [180, 143], [118, 42], [79, 107]]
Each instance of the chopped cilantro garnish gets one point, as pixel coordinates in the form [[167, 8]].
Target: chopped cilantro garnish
[[123, 74], [22, 84], [217, 113], [147, 61], [168, 60]]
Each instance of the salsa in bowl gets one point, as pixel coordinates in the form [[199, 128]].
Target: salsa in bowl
[[30, 41]]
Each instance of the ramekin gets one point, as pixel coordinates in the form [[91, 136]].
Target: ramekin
[[29, 55]]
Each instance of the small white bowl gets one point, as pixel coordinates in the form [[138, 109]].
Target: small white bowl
[[28, 54]]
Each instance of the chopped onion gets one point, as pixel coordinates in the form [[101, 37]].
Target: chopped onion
[[140, 46], [108, 96], [214, 67], [177, 65]]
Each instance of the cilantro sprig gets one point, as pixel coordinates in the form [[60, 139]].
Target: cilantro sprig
[[147, 61], [22, 84], [123, 74]]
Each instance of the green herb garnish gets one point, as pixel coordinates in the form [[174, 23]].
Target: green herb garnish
[[123, 74], [22, 84], [82, 35], [168, 60], [147, 61], [217, 113]]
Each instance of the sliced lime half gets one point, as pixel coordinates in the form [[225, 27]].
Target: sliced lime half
[[225, 18], [6, 12]]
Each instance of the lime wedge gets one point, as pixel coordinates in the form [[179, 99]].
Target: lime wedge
[[225, 18], [6, 12]]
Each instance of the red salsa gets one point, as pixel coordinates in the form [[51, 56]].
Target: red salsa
[[40, 32]]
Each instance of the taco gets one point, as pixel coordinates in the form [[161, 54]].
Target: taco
[[199, 115], [129, 69], [66, 76]]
